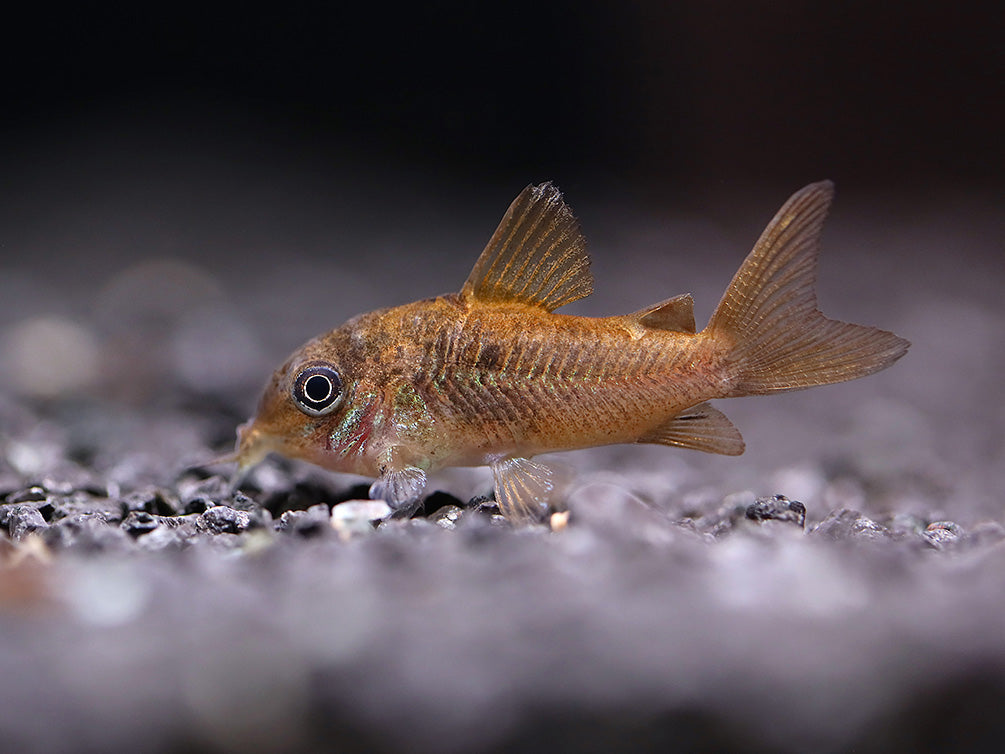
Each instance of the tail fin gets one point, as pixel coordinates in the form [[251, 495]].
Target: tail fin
[[780, 339]]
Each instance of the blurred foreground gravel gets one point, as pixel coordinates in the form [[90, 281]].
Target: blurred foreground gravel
[[838, 587]]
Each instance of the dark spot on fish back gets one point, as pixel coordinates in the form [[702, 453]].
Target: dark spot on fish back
[[490, 357], [453, 299]]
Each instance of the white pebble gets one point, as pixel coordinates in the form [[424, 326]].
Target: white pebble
[[355, 516]]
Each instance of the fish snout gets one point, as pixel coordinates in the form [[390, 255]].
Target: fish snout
[[252, 446]]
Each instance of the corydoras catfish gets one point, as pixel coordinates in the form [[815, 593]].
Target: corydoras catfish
[[492, 376]]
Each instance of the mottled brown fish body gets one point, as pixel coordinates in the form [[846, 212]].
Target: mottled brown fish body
[[510, 379], [491, 375]]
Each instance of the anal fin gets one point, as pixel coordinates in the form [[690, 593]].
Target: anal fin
[[523, 488], [700, 427]]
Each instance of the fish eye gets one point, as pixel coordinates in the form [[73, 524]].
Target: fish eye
[[317, 389]]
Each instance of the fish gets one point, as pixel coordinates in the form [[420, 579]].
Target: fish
[[493, 376]]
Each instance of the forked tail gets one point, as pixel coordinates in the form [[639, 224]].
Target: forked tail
[[780, 340]]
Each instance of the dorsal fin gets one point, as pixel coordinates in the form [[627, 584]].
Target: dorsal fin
[[537, 255], [675, 314]]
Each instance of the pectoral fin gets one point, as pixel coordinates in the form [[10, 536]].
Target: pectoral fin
[[523, 488], [537, 255], [700, 427], [399, 485]]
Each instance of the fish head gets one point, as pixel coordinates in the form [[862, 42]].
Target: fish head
[[315, 408]]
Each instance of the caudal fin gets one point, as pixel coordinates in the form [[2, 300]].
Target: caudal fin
[[780, 340]]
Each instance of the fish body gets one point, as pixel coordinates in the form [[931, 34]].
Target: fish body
[[493, 376]]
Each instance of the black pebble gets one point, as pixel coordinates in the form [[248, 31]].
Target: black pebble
[[777, 508], [313, 522], [198, 505], [304, 496], [139, 523], [197, 498], [355, 492], [438, 500], [150, 501], [33, 494]]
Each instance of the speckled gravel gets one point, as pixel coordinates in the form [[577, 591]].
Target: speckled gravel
[[192, 615]]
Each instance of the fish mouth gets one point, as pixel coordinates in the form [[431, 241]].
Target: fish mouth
[[251, 448]]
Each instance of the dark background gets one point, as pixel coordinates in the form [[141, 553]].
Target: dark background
[[647, 97]]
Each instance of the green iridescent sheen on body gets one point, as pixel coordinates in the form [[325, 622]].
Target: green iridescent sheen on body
[[410, 414]]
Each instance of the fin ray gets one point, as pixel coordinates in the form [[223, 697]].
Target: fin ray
[[400, 485], [700, 427], [536, 256], [676, 314], [780, 339], [523, 488]]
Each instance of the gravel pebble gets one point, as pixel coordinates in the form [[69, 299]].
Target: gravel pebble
[[848, 524], [30, 495], [241, 502], [355, 517], [24, 519], [943, 534], [151, 500], [313, 522], [223, 519], [447, 516], [43, 507], [777, 508], [138, 523]]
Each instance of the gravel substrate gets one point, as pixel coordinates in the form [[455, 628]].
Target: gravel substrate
[[838, 587], [191, 617]]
